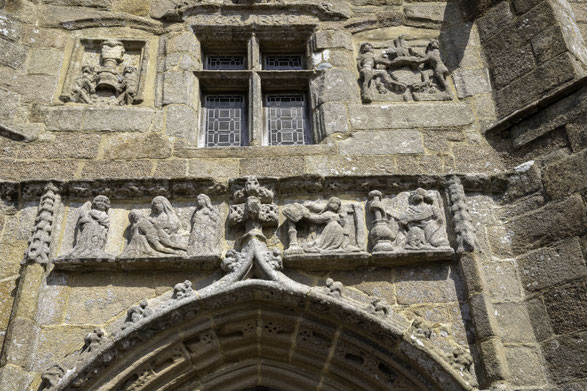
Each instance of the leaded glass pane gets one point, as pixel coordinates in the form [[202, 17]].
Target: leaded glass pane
[[286, 119], [224, 120], [225, 62], [282, 62]]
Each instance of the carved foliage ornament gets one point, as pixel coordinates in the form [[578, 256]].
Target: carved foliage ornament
[[401, 72], [40, 243]]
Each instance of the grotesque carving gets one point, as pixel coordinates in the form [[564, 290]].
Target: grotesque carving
[[379, 307], [92, 230], [182, 290], [330, 228], [402, 73], [40, 243], [109, 82], [256, 209], [413, 222], [334, 288], [232, 261], [154, 235], [464, 229], [138, 312], [93, 340], [52, 377], [461, 360], [205, 223]]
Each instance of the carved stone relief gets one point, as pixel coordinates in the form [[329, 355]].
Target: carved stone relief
[[111, 73], [318, 227], [409, 222], [402, 72], [92, 230], [43, 232]]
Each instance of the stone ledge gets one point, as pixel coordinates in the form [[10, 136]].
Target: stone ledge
[[408, 115], [356, 260], [92, 118], [201, 262]]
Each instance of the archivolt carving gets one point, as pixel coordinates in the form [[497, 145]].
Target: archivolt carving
[[40, 243], [371, 342]]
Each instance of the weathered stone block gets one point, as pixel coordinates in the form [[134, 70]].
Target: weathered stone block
[[45, 62], [552, 266], [12, 55], [548, 44], [180, 62], [117, 119], [539, 318], [333, 118], [471, 82], [16, 170], [10, 28], [549, 223], [494, 360], [178, 87], [138, 146], [20, 341], [331, 39], [62, 146], [349, 165], [133, 7], [420, 164], [14, 378], [577, 134], [7, 290], [523, 6], [566, 357], [64, 119], [525, 366], [336, 85], [405, 116], [183, 43], [272, 166], [482, 315], [181, 121], [496, 19], [502, 280], [567, 176], [534, 84], [115, 169], [382, 143], [174, 168], [424, 14], [426, 284], [214, 168], [567, 307], [514, 323]]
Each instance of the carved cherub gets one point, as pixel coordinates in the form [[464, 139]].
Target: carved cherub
[[182, 290], [85, 86], [334, 288]]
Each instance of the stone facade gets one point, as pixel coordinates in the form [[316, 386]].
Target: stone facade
[[293, 195]]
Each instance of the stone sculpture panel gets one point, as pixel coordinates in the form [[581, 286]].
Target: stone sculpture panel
[[106, 72], [402, 71]]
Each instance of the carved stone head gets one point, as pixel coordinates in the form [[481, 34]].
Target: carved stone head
[[366, 47], [101, 203], [334, 204]]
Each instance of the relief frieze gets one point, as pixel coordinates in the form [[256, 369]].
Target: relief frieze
[[327, 233]]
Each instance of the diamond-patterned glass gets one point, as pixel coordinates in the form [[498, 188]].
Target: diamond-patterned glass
[[224, 120], [283, 63], [286, 122], [225, 62]]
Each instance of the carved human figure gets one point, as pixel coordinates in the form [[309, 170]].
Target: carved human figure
[[434, 61], [205, 223], [367, 64], [423, 221], [129, 86], [85, 86], [92, 229], [334, 288], [333, 217], [156, 234]]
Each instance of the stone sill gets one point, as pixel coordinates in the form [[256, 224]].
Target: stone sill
[[181, 150], [201, 262], [507, 122], [76, 117], [356, 260]]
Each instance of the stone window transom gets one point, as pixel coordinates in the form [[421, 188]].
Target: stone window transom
[[254, 92]]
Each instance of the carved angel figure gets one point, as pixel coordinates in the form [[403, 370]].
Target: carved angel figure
[[205, 222], [156, 234], [423, 222], [92, 230], [332, 217]]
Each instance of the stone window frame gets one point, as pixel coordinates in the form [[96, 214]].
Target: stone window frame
[[256, 83]]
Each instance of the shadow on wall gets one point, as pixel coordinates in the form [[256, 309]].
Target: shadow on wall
[[455, 34]]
